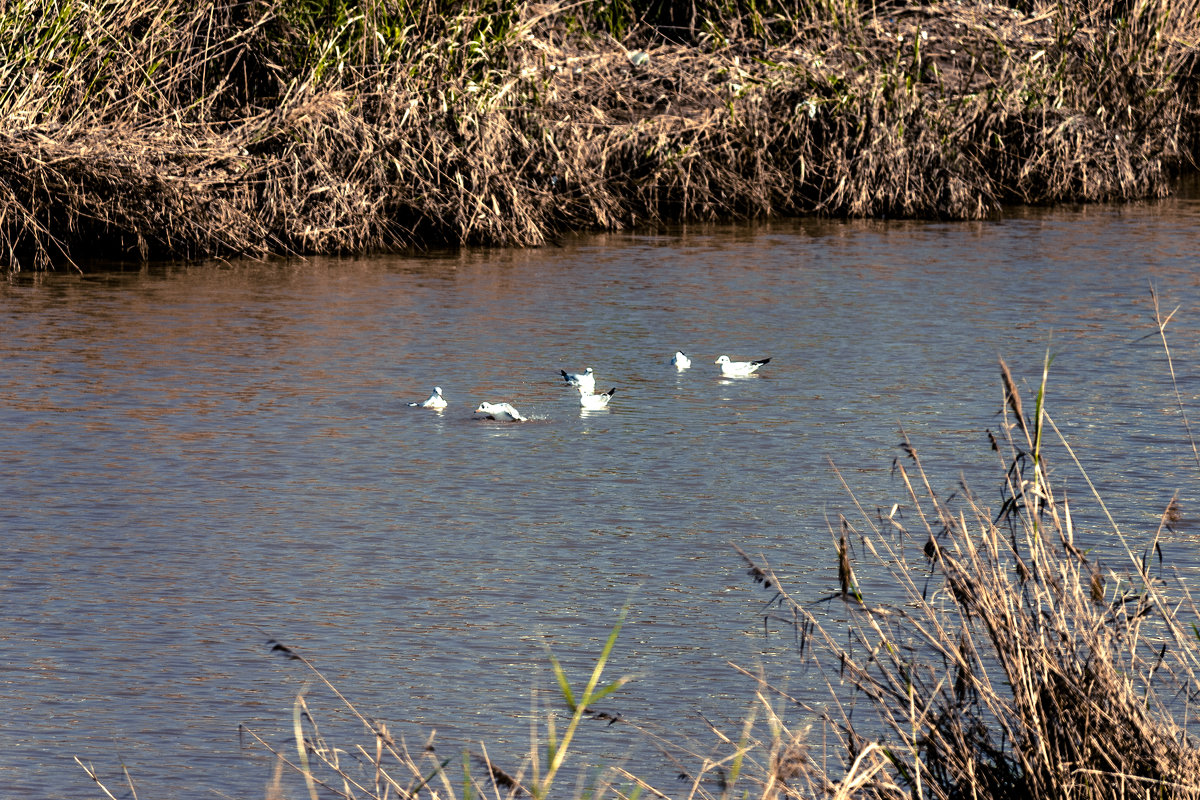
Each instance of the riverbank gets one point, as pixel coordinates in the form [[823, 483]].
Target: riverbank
[[153, 130]]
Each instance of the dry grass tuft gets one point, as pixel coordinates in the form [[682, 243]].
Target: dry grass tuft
[[1014, 664]]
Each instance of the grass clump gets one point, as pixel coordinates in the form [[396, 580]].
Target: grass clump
[[1014, 663], [388, 768], [249, 127]]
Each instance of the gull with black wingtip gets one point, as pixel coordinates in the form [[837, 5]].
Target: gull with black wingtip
[[739, 369], [585, 380], [595, 402]]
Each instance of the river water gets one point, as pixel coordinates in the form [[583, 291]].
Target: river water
[[198, 459]]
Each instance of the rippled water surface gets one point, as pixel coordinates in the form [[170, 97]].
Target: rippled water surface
[[198, 459]]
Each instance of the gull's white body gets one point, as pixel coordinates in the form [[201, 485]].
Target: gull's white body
[[585, 380], [680, 361], [435, 400], [595, 402], [500, 411], [739, 369]]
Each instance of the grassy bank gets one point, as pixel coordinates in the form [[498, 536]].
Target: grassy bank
[[157, 129]]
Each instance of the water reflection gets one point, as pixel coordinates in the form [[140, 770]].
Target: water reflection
[[199, 458]]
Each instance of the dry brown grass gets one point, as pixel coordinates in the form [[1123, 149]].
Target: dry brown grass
[[233, 131], [1014, 663]]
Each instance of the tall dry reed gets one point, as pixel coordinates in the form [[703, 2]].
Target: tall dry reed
[[1014, 664]]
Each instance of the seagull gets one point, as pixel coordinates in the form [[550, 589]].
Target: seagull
[[585, 380], [680, 361], [500, 411], [595, 402], [435, 400], [739, 369]]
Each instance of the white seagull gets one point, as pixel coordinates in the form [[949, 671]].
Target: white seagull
[[585, 380], [739, 369], [595, 402], [435, 400], [680, 361], [500, 411]]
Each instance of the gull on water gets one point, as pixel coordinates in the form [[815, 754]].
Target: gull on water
[[584, 380], [680, 361], [435, 400], [595, 402], [500, 411], [739, 369]]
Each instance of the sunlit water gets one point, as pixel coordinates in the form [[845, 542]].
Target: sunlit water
[[199, 459]]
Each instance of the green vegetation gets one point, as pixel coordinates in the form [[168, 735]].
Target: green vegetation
[[161, 128], [388, 769]]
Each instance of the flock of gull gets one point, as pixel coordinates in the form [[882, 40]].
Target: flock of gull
[[585, 383]]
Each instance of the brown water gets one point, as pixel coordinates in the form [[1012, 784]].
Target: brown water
[[197, 459]]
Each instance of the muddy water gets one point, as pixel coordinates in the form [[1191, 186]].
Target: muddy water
[[198, 459]]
